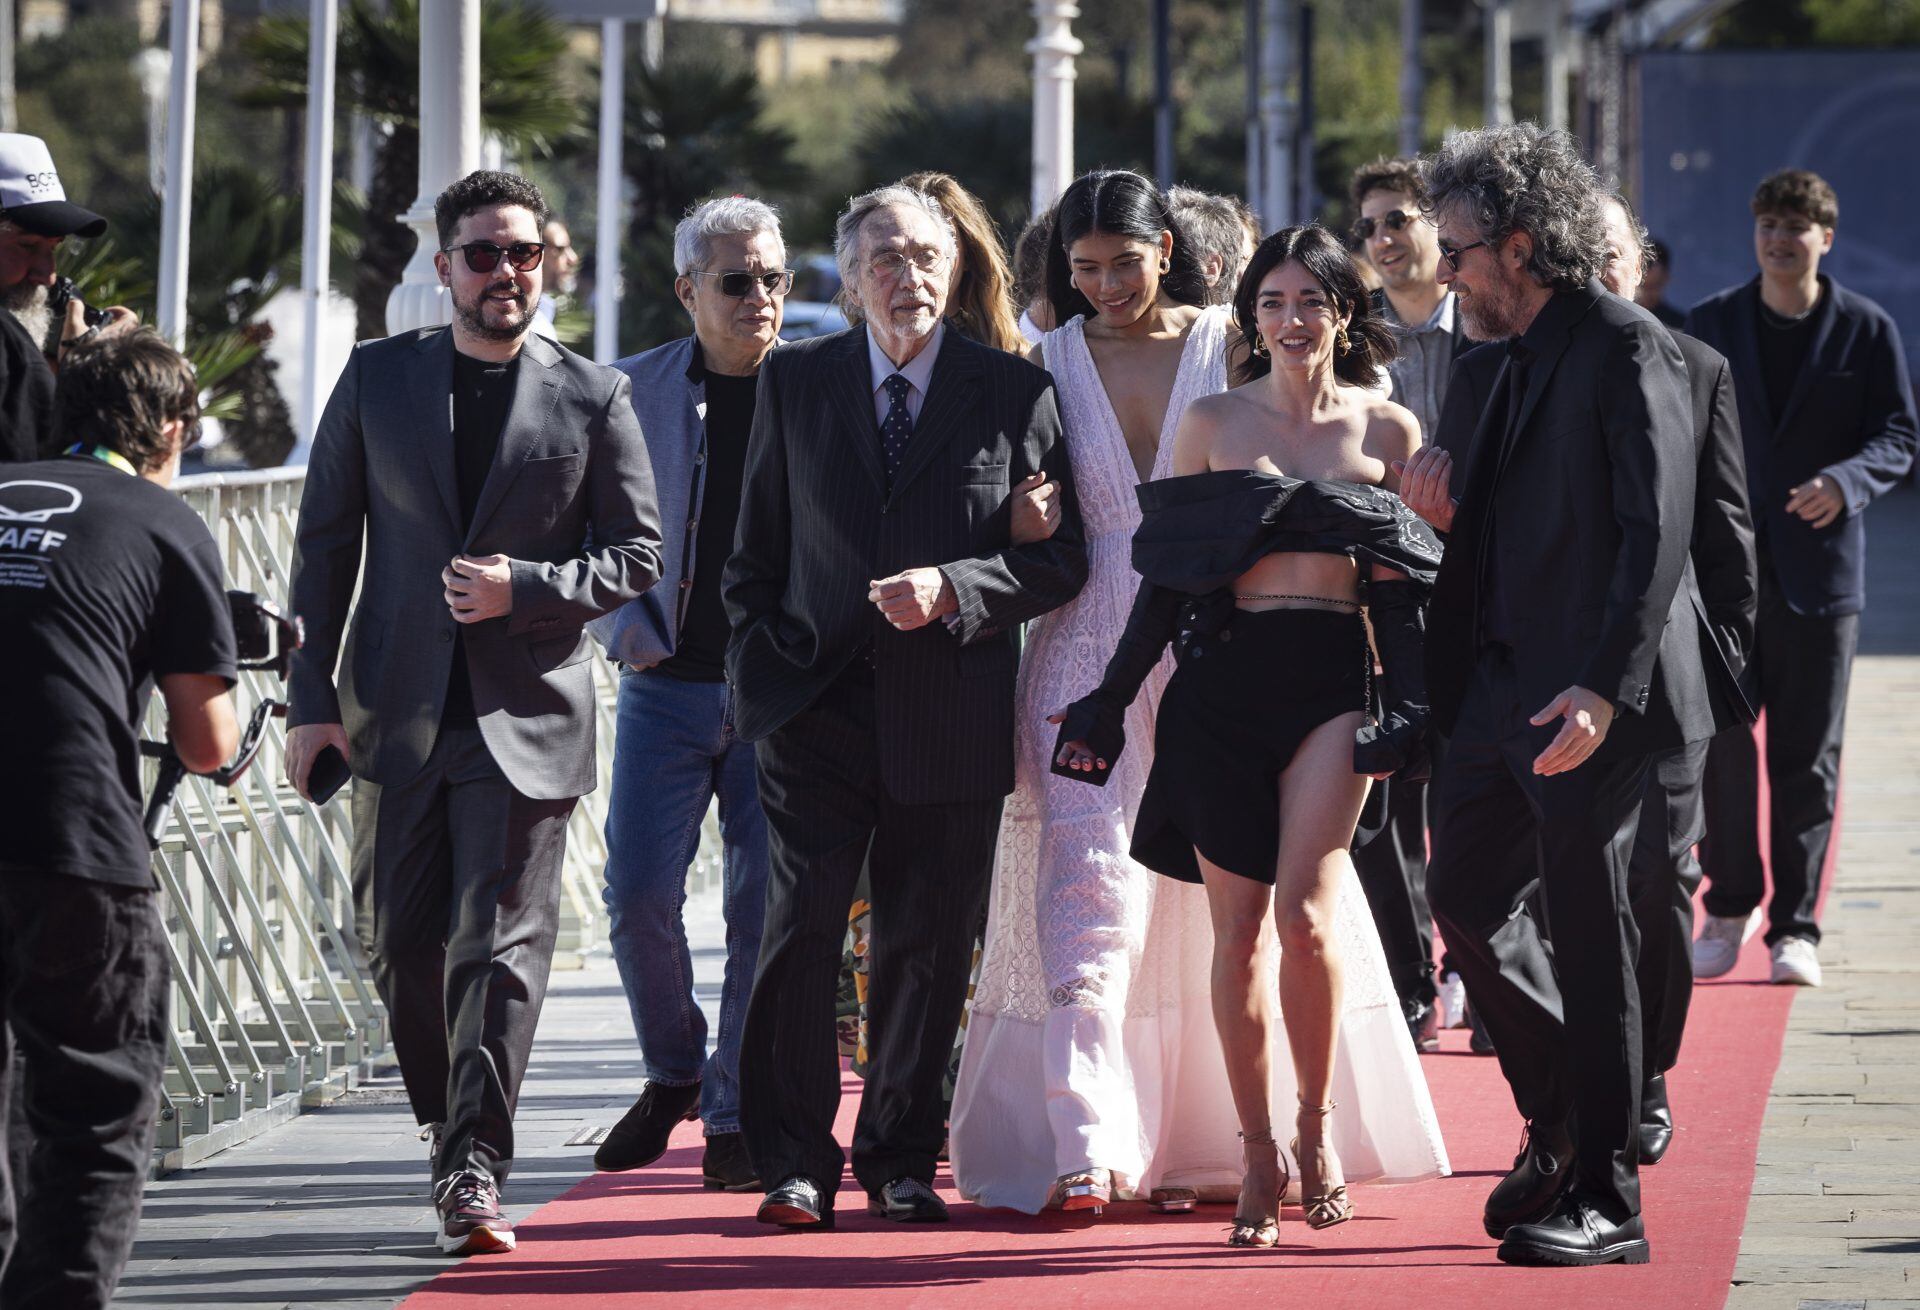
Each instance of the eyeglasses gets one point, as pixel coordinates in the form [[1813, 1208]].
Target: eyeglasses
[[738, 285], [1393, 222], [484, 256], [1452, 256], [894, 263]]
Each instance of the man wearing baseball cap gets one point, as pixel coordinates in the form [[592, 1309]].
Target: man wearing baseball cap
[[35, 217]]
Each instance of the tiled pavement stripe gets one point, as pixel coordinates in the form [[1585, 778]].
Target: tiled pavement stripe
[[1834, 1222]]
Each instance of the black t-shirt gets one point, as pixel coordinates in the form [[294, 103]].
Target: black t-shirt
[[1784, 343], [699, 653], [106, 582], [482, 395], [26, 393]]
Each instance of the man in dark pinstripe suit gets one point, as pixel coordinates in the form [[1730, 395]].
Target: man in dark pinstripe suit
[[874, 590]]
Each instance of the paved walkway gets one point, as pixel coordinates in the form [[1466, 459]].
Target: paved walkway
[[1834, 1223], [331, 1209]]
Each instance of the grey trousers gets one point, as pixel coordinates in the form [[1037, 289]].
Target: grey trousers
[[456, 891]]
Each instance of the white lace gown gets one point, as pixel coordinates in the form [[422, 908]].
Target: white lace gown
[[1091, 1040]]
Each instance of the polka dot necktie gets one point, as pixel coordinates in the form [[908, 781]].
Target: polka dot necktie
[[898, 425]]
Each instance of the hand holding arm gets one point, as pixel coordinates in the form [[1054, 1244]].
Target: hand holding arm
[[1426, 486]]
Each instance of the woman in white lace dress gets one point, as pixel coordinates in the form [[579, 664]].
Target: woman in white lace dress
[[1092, 1067], [1059, 1096]]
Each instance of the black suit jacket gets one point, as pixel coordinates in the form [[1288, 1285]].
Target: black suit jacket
[[1589, 510], [1850, 416], [818, 524], [1721, 586]]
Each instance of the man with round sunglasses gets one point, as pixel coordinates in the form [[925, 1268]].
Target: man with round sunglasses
[[676, 748], [504, 496], [1390, 850]]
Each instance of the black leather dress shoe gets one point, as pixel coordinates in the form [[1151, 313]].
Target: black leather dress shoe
[[1656, 1120], [725, 1167], [907, 1201], [641, 1136], [1576, 1234], [797, 1203], [1540, 1173], [1423, 1022]]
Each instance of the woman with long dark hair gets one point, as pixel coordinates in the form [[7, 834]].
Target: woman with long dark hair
[[1075, 1045], [1278, 529]]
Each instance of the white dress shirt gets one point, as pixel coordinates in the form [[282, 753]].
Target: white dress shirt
[[918, 373]]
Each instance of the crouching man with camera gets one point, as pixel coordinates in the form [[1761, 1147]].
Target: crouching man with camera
[[109, 584]]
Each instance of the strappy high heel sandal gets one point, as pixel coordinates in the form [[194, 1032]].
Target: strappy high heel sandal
[[1090, 1189], [1260, 1230], [1326, 1206]]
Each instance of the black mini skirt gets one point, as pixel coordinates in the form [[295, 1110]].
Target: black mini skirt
[[1233, 715]]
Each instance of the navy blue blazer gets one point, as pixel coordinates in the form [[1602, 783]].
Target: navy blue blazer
[[1850, 416]]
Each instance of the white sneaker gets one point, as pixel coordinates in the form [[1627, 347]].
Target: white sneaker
[[1717, 949], [1795, 961], [1453, 1002]]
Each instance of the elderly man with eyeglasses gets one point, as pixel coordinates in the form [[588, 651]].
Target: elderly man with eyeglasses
[[676, 748], [874, 591]]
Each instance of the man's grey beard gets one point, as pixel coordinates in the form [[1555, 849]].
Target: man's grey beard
[[27, 302]]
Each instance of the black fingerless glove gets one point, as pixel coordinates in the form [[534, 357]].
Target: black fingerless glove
[[1099, 718], [1397, 742]]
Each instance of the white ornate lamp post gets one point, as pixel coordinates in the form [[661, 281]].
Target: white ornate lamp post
[[449, 149], [1053, 51]]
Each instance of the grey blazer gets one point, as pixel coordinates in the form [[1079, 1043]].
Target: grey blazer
[[570, 498], [670, 401]]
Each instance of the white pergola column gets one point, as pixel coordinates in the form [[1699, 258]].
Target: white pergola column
[[1278, 124], [1053, 50], [449, 149], [1413, 78], [317, 221], [177, 203], [1499, 62], [608, 223], [1556, 58]]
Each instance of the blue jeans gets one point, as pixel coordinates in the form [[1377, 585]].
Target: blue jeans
[[674, 752]]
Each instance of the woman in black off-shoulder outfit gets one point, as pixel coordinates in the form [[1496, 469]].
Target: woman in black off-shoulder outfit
[[1258, 558]]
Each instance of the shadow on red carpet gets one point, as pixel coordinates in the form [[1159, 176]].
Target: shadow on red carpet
[[626, 1238]]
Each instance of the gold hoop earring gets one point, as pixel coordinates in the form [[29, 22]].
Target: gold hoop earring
[[1166, 267], [1342, 341], [1259, 345]]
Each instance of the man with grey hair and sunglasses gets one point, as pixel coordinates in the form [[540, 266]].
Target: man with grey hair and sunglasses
[[676, 747], [1562, 654], [874, 591]]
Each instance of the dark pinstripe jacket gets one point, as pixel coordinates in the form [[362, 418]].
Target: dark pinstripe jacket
[[818, 524]]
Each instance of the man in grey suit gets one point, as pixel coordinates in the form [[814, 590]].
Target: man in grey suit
[[505, 498], [874, 590]]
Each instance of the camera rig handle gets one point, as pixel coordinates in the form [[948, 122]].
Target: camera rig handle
[[264, 639]]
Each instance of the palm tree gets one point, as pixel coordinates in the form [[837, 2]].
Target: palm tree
[[695, 128], [521, 101]]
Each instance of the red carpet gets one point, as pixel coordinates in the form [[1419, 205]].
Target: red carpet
[[633, 1238]]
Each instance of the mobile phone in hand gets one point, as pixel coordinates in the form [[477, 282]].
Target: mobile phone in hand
[[328, 775]]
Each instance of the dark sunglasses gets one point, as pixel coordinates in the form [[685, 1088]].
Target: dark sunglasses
[[738, 285], [1393, 221], [1452, 256], [484, 256]]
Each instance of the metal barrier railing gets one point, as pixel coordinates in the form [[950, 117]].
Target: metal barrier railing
[[274, 1006]]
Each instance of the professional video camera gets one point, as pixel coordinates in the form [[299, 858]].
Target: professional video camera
[[264, 638]]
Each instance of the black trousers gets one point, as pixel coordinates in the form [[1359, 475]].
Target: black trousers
[[456, 893], [83, 977], [1564, 1018], [1798, 677], [928, 867], [1393, 872], [1661, 879]]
